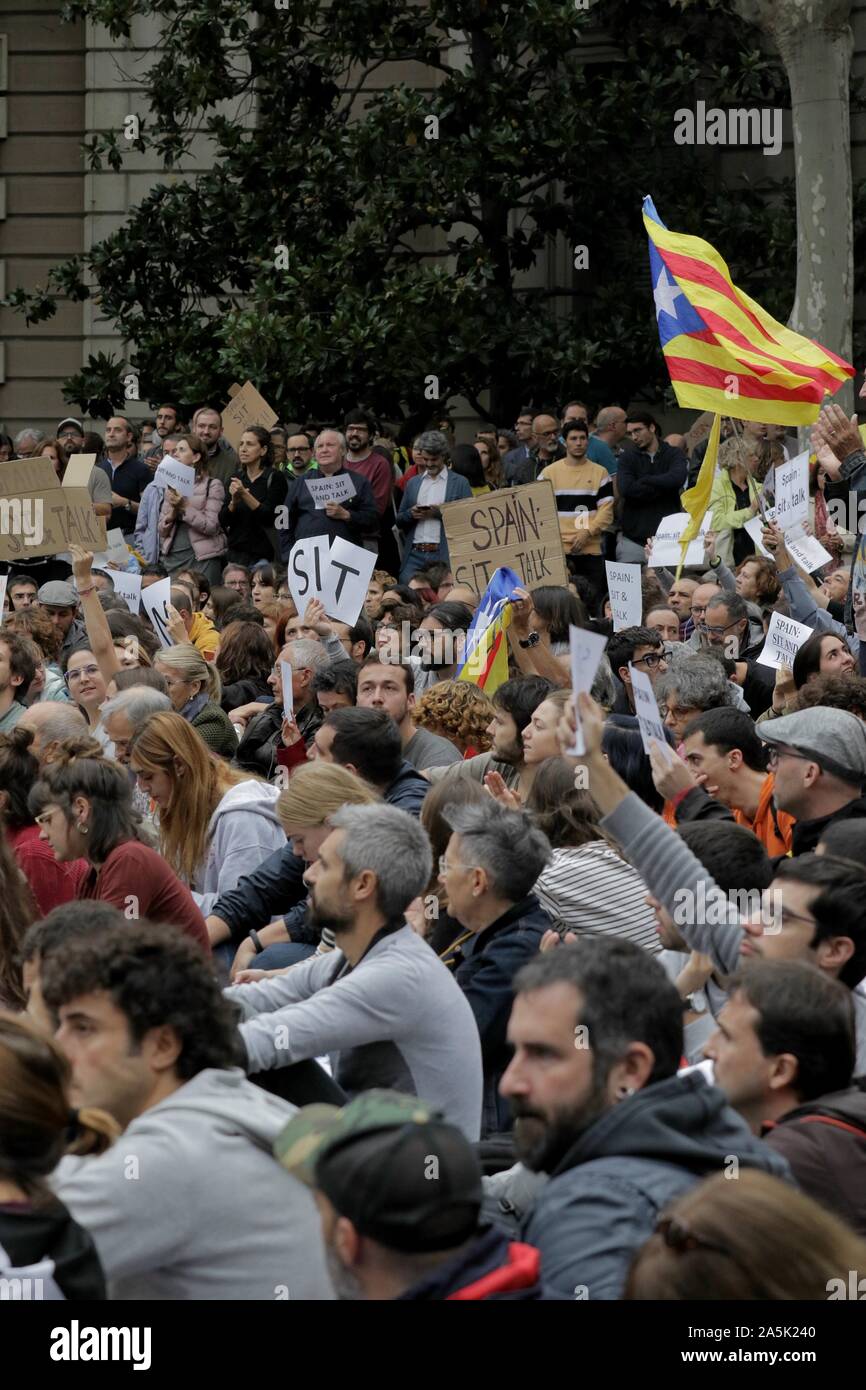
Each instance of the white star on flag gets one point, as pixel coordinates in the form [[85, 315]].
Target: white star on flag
[[666, 294]]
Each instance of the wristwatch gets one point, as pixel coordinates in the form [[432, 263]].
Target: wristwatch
[[255, 939], [697, 1001], [531, 641]]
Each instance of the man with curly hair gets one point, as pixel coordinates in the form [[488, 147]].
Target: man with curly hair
[[152, 1041]]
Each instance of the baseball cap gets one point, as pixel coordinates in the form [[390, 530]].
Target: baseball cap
[[392, 1166], [833, 738], [70, 421], [57, 594]]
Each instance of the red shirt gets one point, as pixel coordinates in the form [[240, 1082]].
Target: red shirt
[[51, 883], [379, 474], [140, 883]]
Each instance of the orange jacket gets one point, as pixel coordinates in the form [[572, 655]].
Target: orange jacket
[[773, 828]]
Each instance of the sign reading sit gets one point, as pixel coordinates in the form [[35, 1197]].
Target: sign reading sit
[[517, 527]]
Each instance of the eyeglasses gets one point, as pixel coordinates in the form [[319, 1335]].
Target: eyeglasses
[[720, 631], [776, 753], [82, 671], [652, 659], [445, 867]]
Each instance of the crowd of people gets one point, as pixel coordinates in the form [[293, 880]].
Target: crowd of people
[[459, 1012]]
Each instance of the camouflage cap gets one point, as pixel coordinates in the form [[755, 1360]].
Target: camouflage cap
[[389, 1163]]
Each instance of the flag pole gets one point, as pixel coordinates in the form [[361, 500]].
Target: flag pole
[[744, 461]]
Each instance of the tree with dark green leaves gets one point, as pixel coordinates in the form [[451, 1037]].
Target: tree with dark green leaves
[[343, 250]]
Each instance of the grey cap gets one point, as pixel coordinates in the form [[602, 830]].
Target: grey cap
[[57, 594], [833, 738]]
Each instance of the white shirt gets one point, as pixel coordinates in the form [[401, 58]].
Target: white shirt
[[431, 493]]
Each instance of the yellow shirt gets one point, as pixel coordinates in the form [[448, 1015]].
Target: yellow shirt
[[584, 501]]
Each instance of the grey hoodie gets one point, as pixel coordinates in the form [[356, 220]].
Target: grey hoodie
[[244, 830], [191, 1204]]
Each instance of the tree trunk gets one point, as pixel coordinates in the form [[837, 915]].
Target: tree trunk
[[815, 44]]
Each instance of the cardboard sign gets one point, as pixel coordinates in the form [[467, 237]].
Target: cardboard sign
[[288, 694], [180, 476], [346, 580], [324, 490], [155, 600], [39, 517], [517, 527], [667, 541], [78, 470], [792, 492], [308, 563], [647, 711], [128, 587], [624, 592], [246, 408], [785, 637], [587, 649]]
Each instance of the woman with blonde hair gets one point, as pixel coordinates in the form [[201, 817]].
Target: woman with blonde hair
[[458, 711], [743, 464], [314, 793], [756, 1238], [195, 689], [215, 823], [39, 1239]]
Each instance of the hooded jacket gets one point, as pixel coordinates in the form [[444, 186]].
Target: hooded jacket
[[492, 1270], [210, 1214], [603, 1200], [244, 830], [45, 1246], [825, 1144]]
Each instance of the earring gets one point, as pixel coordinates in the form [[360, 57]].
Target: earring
[[82, 829], [623, 1092]]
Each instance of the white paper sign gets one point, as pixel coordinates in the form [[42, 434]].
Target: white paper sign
[[308, 565], [806, 551], [339, 488], [624, 591], [155, 600], [347, 577], [792, 492], [587, 649], [667, 547], [647, 710], [754, 528], [180, 476], [128, 587], [785, 637], [4, 579], [288, 695]]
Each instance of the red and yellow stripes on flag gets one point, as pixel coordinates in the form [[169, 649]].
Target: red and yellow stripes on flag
[[696, 499], [744, 363], [487, 667]]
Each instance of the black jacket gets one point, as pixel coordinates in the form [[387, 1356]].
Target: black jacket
[[244, 692], [491, 1269], [491, 959], [246, 528], [807, 833], [304, 519], [257, 750], [825, 1144], [649, 487], [31, 1234]]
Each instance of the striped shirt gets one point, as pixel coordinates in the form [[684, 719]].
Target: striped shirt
[[591, 888], [584, 501]]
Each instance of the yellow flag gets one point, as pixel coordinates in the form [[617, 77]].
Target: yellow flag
[[696, 499]]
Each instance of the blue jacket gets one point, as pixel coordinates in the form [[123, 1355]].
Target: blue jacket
[[490, 961], [603, 1200], [456, 488], [146, 536]]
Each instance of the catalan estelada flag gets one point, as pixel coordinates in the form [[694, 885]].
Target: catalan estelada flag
[[485, 663], [724, 353]]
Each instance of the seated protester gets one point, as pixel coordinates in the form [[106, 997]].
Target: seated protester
[[52, 934], [726, 626], [39, 1239], [622, 745], [17, 669], [335, 686], [83, 806], [17, 911], [784, 1056], [692, 685], [187, 624], [458, 712], [387, 1235], [304, 807], [245, 661], [538, 632], [389, 686], [50, 723], [195, 691], [493, 859], [342, 641], [822, 654], [514, 703], [818, 757], [383, 985], [755, 1238], [597, 1035], [441, 640], [539, 742], [368, 742], [724, 751], [431, 917], [635, 646], [836, 692], [50, 882], [215, 823], [151, 1041], [262, 746], [586, 886], [738, 863], [218, 609], [812, 910], [32, 622]]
